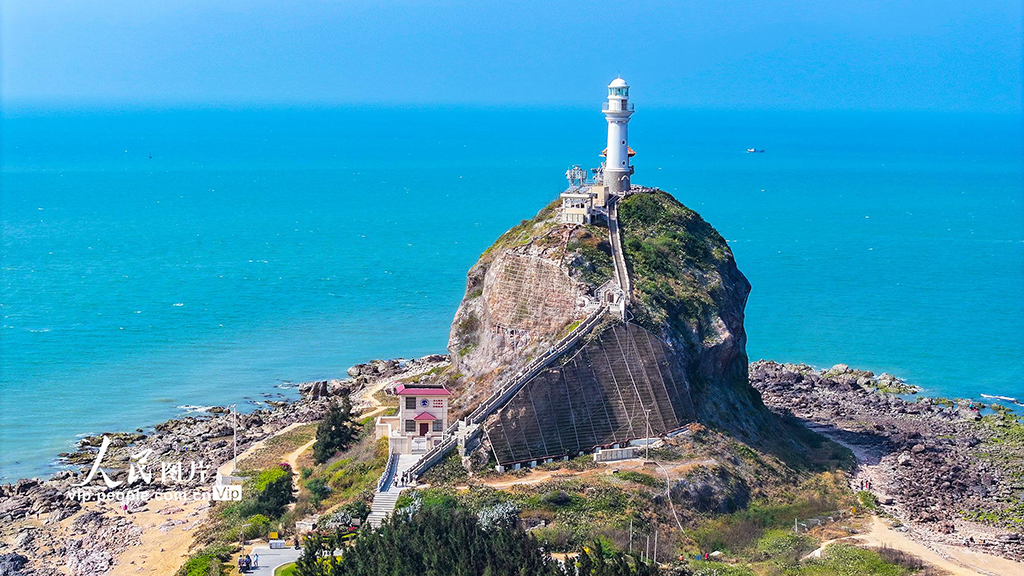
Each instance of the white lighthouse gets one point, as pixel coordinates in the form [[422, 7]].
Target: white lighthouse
[[617, 111]]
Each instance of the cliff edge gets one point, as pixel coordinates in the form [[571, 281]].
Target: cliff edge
[[680, 356]]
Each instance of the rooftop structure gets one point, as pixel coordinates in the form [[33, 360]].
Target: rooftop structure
[[588, 196], [421, 419]]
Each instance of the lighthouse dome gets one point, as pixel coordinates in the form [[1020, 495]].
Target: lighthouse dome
[[618, 83]]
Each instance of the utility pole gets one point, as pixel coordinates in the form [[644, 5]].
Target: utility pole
[[234, 439], [630, 535], [647, 442], [655, 544]]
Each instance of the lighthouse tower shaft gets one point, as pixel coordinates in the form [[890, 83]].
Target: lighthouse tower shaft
[[617, 111]]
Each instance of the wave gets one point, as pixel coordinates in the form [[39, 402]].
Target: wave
[[190, 408]]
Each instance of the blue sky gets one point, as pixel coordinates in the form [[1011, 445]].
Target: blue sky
[[785, 54]]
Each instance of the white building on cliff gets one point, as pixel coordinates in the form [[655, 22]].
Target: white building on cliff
[[587, 196]]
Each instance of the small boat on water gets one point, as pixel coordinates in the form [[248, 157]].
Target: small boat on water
[[754, 151]]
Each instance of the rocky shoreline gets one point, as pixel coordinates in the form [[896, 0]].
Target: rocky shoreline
[[936, 465], [942, 467], [44, 529]]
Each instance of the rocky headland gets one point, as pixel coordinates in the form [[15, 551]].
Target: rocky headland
[[732, 432]]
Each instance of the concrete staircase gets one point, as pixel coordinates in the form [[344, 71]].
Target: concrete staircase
[[386, 495]]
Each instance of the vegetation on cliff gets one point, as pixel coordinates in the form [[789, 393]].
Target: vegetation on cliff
[[679, 265]]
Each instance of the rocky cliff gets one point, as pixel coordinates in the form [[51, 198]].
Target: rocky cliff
[[532, 286], [541, 278]]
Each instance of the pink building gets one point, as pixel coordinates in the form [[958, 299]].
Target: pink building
[[421, 420]]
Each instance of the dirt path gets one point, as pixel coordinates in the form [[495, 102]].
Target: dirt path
[[954, 559], [229, 466]]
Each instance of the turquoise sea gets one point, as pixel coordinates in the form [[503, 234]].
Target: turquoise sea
[[160, 258]]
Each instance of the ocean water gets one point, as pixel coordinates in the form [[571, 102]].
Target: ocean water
[[156, 259]]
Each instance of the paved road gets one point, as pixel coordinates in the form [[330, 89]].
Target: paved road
[[271, 559]]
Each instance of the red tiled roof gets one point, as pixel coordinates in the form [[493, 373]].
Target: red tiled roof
[[424, 416], [403, 390]]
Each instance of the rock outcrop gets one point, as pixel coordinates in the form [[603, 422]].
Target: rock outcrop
[[541, 278], [526, 291]]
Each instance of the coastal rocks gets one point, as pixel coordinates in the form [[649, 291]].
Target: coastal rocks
[[940, 469], [14, 564], [34, 513], [96, 542]]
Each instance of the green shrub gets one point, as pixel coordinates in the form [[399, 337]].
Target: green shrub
[[334, 432], [709, 568], [867, 500], [201, 565], [844, 560], [318, 490], [258, 526], [272, 490], [208, 561], [640, 478], [783, 545]]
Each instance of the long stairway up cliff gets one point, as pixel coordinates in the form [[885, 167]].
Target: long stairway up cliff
[[680, 358]]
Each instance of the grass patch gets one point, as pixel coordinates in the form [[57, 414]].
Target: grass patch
[[738, 533], [639, 478], [275, 448], [844, 560]]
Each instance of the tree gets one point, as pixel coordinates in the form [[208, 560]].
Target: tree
[[334, 432], [272, 490], [436, 542]]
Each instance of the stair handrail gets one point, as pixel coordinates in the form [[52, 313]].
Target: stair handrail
[[389, 472], [518, 380], [529, 371]]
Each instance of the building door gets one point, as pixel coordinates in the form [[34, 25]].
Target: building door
[[424, 428]]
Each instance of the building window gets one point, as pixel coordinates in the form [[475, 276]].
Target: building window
[[410, 403], [438, 426], [410, 425], [438, 403]]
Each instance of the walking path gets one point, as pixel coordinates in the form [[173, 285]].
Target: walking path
[[272, 559], [385, 497], [955, 560]]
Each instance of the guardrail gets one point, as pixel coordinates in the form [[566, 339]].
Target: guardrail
[[431, 457], [389, 472], [618, 256], [500, 396]]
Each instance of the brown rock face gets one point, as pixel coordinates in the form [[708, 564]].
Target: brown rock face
[[538, 280], [523, 294]]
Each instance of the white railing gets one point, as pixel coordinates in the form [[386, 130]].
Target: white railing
[[629, 107], [389, 472], [536, 365], [618, 257], [500, 396]]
